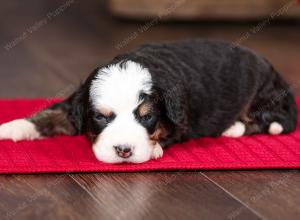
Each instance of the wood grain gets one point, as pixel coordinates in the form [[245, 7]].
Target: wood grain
[[176, 195], [274, 194], [47, 197]]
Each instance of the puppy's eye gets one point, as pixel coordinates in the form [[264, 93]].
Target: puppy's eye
[[103, 118], [100, 117], [146, 118]]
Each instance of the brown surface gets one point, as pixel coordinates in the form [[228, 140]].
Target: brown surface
[[205, 9], [57, 56]]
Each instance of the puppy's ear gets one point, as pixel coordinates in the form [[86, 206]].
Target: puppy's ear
[[175, 103], [75, 105]]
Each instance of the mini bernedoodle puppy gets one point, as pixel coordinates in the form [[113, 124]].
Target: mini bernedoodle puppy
[[165, 93]]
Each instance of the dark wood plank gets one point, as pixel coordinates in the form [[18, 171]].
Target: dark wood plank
[[273, 194], [176, 195], [47, 197]]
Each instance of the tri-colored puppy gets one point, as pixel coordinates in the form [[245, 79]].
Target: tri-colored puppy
[[165, 93]]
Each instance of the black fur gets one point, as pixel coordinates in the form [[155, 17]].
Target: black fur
[[203, 87]]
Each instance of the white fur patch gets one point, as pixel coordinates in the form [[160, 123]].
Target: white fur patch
[[157, 151], [118, 89], [18, 130], [275, 128], [238, 129]]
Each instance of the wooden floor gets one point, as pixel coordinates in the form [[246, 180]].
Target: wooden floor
[[46, 50]]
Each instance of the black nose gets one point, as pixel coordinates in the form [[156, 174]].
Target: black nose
[[123, 151]]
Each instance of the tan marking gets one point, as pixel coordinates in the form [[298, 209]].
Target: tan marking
[[152, 142], [92, 137], [106, 112], [144, 109], [156, 134], [159, 132]]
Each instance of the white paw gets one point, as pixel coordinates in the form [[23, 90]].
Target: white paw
[[157, 151], [275, 128], [18, 130], [238, 129]]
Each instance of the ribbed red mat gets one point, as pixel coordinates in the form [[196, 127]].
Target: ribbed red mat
[[74, 154]]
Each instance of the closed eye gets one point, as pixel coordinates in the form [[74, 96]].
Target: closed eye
[[104, 119], [146, 118], [99, 117]]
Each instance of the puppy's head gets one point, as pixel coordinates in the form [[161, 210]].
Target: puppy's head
[[124, 114]]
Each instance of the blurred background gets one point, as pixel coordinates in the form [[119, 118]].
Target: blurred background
[[49, 46]]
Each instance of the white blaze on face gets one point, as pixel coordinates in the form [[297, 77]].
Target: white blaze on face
[[118, 90]]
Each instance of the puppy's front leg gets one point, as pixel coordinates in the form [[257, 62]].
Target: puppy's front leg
[[157, 151]]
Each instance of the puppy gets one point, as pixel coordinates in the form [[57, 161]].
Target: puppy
[[165, 93]]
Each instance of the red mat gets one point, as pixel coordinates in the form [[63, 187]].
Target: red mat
[[74, 154]]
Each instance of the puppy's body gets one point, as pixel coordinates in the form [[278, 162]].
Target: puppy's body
[[213, 84], [190, 89]]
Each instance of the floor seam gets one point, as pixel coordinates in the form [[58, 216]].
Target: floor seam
[[234, 197], [85, 189]]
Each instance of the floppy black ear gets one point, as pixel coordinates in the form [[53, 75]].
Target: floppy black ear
[[63, 118], [75, 105], [176, 108]]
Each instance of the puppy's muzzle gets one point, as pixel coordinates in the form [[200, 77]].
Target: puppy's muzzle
[[123, 151]]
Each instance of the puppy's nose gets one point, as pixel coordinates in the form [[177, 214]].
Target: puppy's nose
[[123, 151]]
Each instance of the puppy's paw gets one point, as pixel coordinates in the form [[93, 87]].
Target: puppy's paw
[[18, 130], [238, 129], [275, 128], [157, 151]]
